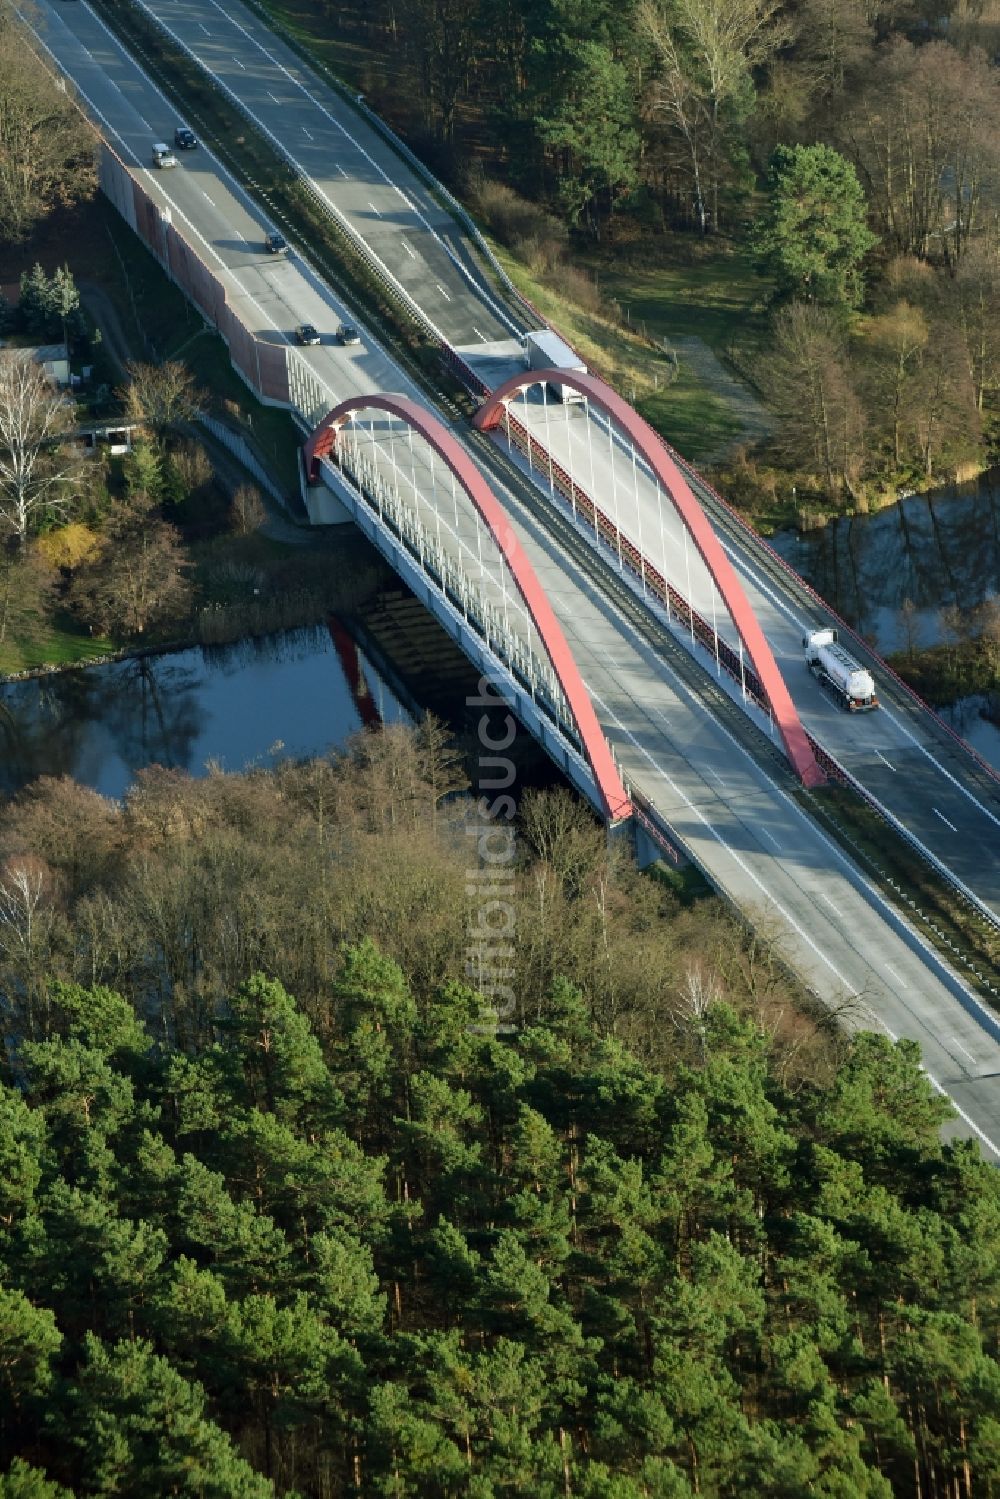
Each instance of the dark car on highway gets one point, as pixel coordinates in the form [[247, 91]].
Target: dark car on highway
[[275, 243], [305, 333], [185, 139], [346, 334]]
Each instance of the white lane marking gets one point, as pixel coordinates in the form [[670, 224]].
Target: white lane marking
[[374, 210], [480, 291], [971, 1123], [716, 774], [204, 28], [768, 834], [239, 64], [407, 249], [830, 901], [272, 96], [742, 559], [889, 969], [479, 335], [210, 249], [766, 894], [205, 195], [307, 133], [980, 1134], [340, 169], [964, 1049], [876, 901], [884, 760], [286, 153], [442, 291], [947, 773], [944, 819]]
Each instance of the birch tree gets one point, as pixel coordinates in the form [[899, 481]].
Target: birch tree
[[37, 468], [707, 51]]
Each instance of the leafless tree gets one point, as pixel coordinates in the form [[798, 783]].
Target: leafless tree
[[707, 51], [37, 469], [27, 919], [138, 580], [27, 595], [896, 343], [48, 152], [810, 387], [161, 396], [247, 512], [924, 137]]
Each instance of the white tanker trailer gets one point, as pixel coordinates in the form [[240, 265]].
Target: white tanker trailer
[[846, 678]]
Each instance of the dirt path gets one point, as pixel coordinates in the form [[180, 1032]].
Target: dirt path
[[755, 421]]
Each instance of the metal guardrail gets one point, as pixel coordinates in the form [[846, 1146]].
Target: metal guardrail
[[814, 598], [567, 486], [833, 768], [359, 103], [367, 254]]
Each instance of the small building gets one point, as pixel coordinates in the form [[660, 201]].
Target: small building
[[54, 359]]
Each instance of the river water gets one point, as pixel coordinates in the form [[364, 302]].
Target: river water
[[296, 693], [303, 692], [928, 551]]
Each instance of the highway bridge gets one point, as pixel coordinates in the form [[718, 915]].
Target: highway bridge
[[656, 655]]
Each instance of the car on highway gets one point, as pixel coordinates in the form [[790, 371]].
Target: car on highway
[[163, 156], [348, 334], [305, 333], [185, 139], [275, 243]]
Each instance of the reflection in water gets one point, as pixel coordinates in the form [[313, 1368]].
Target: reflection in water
[[967, 717], [934, 550], [233, 705]]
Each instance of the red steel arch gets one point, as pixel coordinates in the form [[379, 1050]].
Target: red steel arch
[[628, 420], [323, 440]]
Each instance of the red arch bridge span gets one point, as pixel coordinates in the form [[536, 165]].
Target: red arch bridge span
[[649, 454], [444, 518]]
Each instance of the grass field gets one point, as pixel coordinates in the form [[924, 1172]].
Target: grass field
[[63, 645], [717, 296], [685, 411]]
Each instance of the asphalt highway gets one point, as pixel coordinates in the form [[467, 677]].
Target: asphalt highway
[[902, 756], [900, 752], [354, 171], [736, 816]]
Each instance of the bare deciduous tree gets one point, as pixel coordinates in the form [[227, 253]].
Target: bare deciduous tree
[[897, 341], [137, 582], [707, 52], [48, 153], [810, 388], [161, 396], [924, 138], [27, 595], [37, 470], [247, 513]]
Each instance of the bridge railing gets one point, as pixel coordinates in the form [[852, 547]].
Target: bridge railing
[[610, 533], [800, 583], [538, 680]]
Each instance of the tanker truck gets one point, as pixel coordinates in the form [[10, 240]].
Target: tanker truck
[[846, 678]]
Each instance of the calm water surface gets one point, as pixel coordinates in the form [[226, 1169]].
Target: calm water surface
[[239, 705], [932, 550]]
